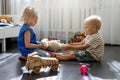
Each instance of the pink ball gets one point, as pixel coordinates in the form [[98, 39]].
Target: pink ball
[[84, 69]]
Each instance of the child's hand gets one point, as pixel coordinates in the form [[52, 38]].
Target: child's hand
[[43, 46], [66, 46]]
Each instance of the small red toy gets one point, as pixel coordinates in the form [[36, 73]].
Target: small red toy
[[84, 69]]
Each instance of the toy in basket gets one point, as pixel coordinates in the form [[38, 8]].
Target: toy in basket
[[35, 62], [78, 37]]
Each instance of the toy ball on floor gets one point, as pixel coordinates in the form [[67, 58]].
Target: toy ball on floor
[[84, 69]]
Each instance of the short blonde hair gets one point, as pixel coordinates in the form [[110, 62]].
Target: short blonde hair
[[28, 14], [93, 20]]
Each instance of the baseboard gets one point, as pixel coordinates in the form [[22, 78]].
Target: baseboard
[[106, 44]]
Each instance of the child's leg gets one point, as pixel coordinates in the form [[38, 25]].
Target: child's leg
[[66, 56], [42, 53]]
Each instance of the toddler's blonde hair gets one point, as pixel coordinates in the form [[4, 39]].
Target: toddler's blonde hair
[[28, 14], [93, 20]]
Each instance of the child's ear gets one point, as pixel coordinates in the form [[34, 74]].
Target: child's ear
[[95, 27]]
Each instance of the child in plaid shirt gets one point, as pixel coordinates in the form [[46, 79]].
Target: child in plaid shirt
[[91, 48]]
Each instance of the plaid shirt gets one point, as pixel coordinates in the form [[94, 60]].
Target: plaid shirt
[[96, 43]]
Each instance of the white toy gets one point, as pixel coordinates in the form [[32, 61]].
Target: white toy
[[52, 44]]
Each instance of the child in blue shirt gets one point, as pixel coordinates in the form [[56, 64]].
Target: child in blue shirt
[[27, 42]]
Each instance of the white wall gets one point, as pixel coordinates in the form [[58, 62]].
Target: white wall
[[57, 18], [0, 6]]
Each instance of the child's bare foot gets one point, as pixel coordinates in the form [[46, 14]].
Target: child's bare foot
[[53, 54], [23, 58], [59, 56]]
